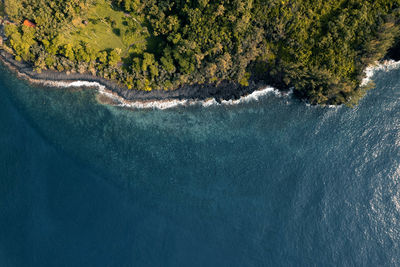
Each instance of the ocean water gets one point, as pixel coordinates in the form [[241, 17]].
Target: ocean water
[[265, 183]]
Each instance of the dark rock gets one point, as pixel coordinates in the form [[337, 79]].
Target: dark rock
[[223, 91]]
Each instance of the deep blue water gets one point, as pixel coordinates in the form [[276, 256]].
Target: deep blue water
[[268, 183]]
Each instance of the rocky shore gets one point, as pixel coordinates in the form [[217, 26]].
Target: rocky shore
[[224, 91], [115, 94]]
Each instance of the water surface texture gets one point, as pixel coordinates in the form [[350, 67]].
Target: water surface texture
[[267, 183]]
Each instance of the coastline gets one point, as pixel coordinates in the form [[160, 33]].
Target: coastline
[[113, 94], [110, 93], [385, 65]]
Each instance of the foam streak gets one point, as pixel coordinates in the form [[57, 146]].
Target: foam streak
[[167, 103], [386, 65]]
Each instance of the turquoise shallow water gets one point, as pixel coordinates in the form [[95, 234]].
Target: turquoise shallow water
[[272, 182]]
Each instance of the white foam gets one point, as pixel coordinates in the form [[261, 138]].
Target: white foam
[[158, 104], [74, 84], [251, 97], [386, 65], [167, 103], [256, 95], [209, 102]]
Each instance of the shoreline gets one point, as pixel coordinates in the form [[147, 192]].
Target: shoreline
[[113, 94], [384, 65], [110, 93]]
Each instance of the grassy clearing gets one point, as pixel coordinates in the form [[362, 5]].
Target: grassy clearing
[[104, 29]]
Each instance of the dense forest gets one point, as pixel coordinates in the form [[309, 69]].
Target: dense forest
[[318, 47]]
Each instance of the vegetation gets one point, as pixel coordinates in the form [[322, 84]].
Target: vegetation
[[318, 47], [1, 9]]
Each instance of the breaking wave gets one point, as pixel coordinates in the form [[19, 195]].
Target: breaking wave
[[117, 100], [385, 65], [165, 103]]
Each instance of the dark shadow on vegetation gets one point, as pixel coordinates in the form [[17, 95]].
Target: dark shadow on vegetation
[[117, 32], [93, 21], [155, 45], [394, 52]]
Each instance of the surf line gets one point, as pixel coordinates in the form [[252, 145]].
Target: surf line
[[114, 99], [170, 103], [119, 101], [370, 71]]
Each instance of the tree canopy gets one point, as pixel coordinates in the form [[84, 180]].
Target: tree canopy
[[318, 47]]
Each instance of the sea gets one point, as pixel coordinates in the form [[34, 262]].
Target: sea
[[269, 181]]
